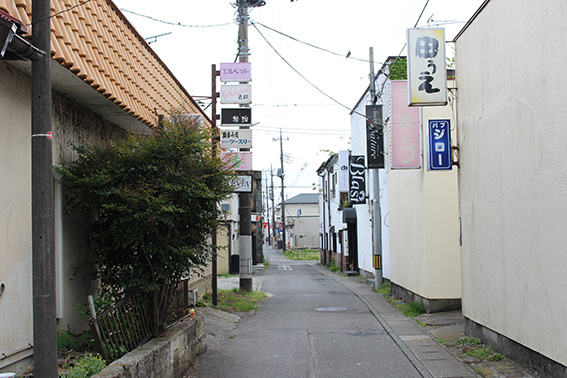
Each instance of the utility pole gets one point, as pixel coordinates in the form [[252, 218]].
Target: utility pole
[[273, 208], [214, 118], [245, 199], [43, 208], [283, 192], [267, 207], [375, 203]]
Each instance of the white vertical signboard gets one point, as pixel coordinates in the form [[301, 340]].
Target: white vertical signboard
[[343, 171], [427, 72]]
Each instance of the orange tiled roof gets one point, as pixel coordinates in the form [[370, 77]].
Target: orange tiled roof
[[97, 43]]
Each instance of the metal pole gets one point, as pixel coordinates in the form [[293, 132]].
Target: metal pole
[[245, 199], [375, 203], [214, 284], [43, 229]]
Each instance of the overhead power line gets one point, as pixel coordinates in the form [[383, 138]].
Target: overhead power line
[[301, 75], [316, 47], [175, 23]]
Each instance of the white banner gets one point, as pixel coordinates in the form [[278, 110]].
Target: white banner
[[427, 71], [343, 171]]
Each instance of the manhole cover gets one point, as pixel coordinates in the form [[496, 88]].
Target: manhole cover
[[331, 309]]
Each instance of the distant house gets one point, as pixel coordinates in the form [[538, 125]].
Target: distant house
[[337, 238], [302, 220], [107, 82]]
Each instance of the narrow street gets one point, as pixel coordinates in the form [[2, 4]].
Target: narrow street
[[310, 326]]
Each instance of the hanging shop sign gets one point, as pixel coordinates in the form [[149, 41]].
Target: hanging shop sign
[[236, 117], [239, 71], [357, 174], [236, 138], [427, 72], [243, 184], [405, 132], [343, 171], [439, 143], [237, 161], [374, 137], [236, 94]]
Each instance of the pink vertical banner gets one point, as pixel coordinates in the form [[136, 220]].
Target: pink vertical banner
[[406, 146]]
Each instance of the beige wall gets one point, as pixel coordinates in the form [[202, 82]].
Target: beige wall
[[511, 75], [424, 225], [15, 214], [70, 123]]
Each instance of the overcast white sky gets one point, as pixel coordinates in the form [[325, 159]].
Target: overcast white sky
[[281, 97]]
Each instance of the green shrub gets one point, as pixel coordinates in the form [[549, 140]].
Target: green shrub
[[85, 367]]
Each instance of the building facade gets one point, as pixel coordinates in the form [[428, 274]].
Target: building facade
[[106, 82], [512, 136]]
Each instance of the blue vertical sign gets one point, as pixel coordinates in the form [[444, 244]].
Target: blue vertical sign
[[439, 145]]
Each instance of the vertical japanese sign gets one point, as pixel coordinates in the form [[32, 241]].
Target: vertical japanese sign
[[406, 146], [374, 137], [439, 138], [427, 72], [239, 71], [343, 171], [357, 173]]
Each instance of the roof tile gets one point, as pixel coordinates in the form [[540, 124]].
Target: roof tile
[[94, 40]]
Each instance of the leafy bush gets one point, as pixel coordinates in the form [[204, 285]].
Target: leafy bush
[[152, 202]]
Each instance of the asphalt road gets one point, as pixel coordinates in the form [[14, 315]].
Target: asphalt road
[[310, 326]]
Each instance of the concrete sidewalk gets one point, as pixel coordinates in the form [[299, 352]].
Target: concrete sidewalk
[[420, 343], [430, 358]]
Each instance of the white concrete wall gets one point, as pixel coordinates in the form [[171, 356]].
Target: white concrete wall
[[424, 223], [511, 75]]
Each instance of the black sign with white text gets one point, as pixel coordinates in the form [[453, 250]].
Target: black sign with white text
[[374, 137], [236, 116], [357, 179]]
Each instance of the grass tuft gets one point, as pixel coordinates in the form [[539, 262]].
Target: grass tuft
[[235, 300]]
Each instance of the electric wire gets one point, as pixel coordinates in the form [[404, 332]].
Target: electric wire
[[401, 51], [314, 46], [174, 23], [303, 77]]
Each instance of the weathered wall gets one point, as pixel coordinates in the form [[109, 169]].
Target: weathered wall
[[511, 75], [168, 356], [73, 125], [70, 124]]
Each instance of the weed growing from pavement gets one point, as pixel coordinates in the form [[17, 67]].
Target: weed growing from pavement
[[408, 309], [333, 267], [472, 347], [235, 300]]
